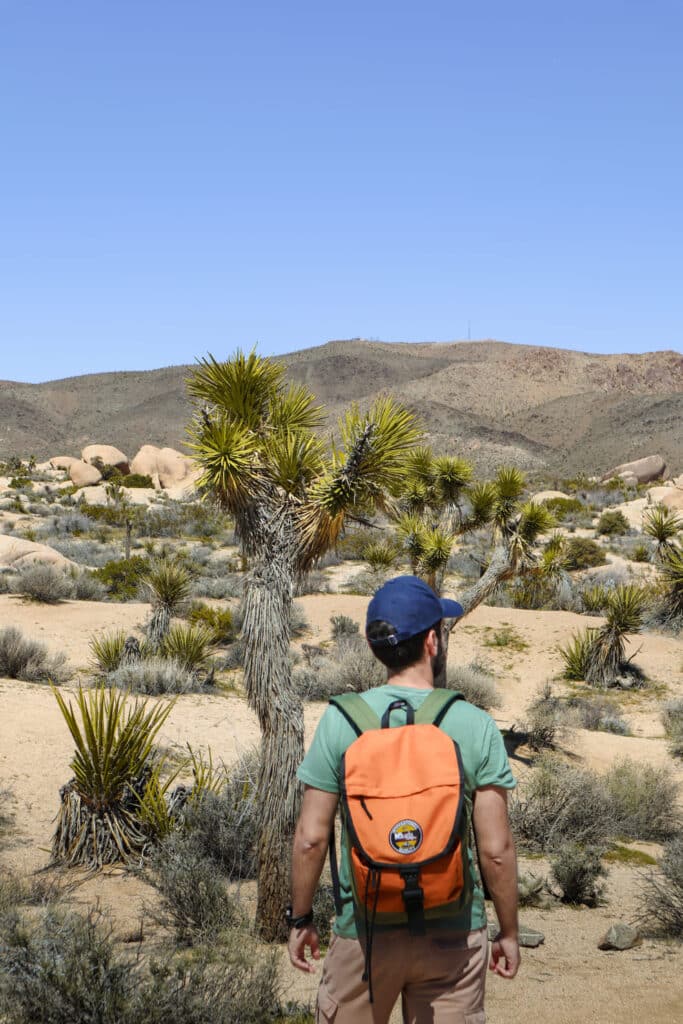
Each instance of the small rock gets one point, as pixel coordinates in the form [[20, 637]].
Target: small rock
[[620, 936], [527, 936]]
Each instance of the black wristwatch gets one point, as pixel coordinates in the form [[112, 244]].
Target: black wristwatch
[[300, 921]]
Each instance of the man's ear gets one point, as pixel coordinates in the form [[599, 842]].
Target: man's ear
[[431, 648]]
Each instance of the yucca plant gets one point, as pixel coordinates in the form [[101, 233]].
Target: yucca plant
[[108, 650], [663, 525], [167, 583], [594, 598], [624, 614], [189, 645], [575, 655], [381, 555], [115, 763], [671, 570]]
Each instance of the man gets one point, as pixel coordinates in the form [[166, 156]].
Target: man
[[440, 976]]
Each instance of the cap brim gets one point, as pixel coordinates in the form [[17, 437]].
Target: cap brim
[[451, 609]]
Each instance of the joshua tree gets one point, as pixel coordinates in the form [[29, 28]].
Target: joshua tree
[[254, 439]]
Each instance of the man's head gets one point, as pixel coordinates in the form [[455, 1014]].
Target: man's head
[[400, 618]]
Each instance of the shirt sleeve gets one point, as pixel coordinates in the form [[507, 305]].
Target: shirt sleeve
[[494, 767], [321, 767]]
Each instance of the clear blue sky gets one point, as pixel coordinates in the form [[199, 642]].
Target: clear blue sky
[[183, 177]]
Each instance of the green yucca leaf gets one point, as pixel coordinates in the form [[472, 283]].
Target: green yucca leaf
[[294, 459], [228, 454], [380, 554], [168, 582], [295, 410], [575, 654], [534, 520], [420, 466], [624, 608], [241, 389], [451, 475], [663, 525], [482, 499], [436, 551]]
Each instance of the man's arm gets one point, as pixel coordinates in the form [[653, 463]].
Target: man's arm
[[498, 864], [311, 839]]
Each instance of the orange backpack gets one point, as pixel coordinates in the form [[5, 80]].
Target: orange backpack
[[402, 802]]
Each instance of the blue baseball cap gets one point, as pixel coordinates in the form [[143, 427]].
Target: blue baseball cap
[[409, 605]]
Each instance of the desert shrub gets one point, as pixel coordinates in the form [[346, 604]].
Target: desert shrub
[[233, 657], [350, 667], [640, 553], [661, 902], [63, 968], [68, 524], [583, 553], [136, 480], [224, 824], [298, 623], [107, 650], [5, 582], [43, 582], [563, 507], [313, 582], [560, 803], [577, 870], [123, 577], [87, 587], [366, 582], [194, 897], [155, 675], [545, 719], [672, 720], [29, 660], [612, 521], [643, 801], [476, 683], [189, 646], [343, 626], [220, 587], [87, 551], [112, 515], [218, 620], [599, 715], [351, 545]]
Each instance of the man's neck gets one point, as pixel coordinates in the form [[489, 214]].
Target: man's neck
[[419, 677]]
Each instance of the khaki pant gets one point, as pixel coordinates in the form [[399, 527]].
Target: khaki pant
[[440, 978]]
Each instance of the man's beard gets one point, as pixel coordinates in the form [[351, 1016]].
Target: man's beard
[[439, 659]]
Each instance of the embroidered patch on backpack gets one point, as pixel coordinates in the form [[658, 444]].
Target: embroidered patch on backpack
[[406, 836]]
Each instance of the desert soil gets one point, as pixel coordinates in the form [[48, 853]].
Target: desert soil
[[564, 981]]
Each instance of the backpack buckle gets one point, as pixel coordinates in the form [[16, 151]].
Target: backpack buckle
[[413, 899]]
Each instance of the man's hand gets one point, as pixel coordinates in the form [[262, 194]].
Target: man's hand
[[299, 940], [504, 956]]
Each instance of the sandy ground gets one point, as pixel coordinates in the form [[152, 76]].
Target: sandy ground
[[564, 981]]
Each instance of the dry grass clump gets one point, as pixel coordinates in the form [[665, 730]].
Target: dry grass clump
[[599, 714], [477, 684], [545, 720], [29, 660]]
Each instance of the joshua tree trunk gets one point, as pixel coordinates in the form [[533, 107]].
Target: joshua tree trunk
[[267, 679], [501, 568]]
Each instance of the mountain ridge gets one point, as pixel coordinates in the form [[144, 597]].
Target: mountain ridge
[[550, 411]]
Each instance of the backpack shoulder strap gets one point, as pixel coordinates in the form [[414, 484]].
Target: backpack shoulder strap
[[356, 711], [435, 705]]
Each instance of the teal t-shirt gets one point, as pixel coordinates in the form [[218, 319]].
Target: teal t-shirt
[[485, 763]]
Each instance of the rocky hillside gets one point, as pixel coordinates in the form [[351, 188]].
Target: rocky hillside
[[551, 411]]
